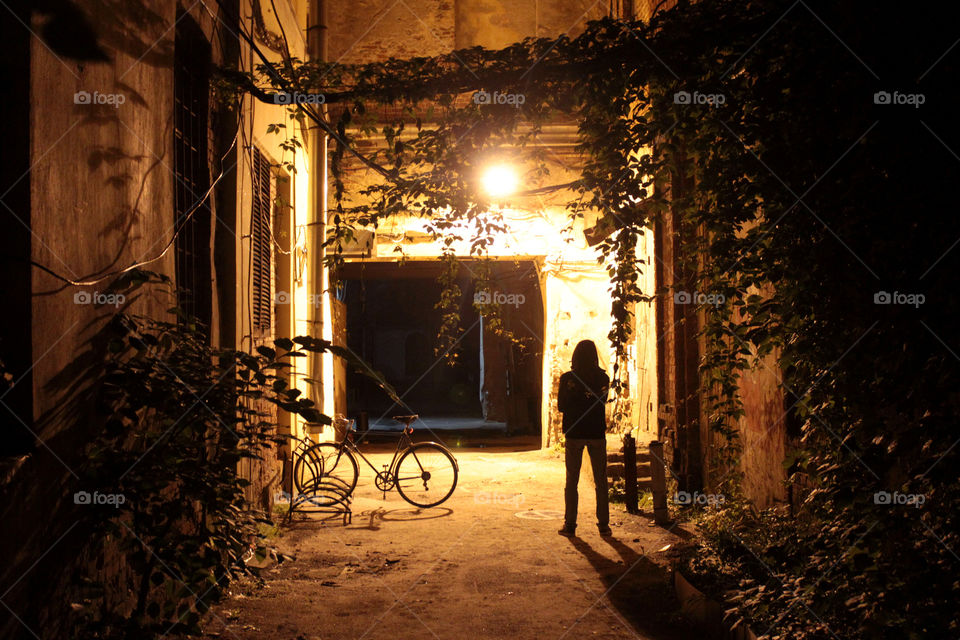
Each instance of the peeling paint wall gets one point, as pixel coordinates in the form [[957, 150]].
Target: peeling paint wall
[[763, 434]]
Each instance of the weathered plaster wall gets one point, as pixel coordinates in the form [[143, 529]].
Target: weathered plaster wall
[[763, 433], [101, 199], [299, 312], [371, 30]]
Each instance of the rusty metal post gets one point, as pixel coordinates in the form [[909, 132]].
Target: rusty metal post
[[630, 473], [657, 467]]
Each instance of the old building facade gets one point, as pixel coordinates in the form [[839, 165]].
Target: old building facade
[[123, 155]]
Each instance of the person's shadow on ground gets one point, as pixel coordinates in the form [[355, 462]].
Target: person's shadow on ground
[[640, 590]]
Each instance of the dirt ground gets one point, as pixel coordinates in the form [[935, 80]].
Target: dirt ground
[[488, 563]]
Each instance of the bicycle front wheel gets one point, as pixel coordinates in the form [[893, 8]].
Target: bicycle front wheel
[[324, 471], [426, 474]]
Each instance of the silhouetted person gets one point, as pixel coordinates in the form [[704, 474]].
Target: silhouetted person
[[582, 401]]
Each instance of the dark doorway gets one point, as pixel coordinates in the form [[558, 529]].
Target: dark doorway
[[392, 323]]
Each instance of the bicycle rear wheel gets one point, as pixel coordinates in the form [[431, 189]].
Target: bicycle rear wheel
[[323, 471], [426, 474]]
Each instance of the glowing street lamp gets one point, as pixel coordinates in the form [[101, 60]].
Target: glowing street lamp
[[500, 180]]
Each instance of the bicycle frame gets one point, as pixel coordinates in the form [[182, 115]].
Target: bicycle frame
[[315, 471], [403, 444]]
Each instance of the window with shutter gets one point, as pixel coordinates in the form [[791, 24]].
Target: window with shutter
[[260, 233]]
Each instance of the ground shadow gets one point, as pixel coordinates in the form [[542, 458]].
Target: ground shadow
[[673, 527], [640, 591], [373, 519]]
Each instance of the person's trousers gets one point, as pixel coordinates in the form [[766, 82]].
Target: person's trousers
[[597, 450]]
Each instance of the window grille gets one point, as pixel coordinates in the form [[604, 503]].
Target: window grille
[[191, 172]]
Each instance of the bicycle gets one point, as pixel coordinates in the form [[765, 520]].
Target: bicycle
[[424, 473]]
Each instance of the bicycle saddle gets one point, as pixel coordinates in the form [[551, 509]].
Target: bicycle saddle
[[406, 419]]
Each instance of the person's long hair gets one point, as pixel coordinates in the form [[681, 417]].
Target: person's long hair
[[585, 360]]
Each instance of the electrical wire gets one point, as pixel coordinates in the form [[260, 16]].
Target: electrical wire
[[166, 249]]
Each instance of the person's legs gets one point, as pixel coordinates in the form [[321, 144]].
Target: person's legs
[[598, 461], [572, 457]]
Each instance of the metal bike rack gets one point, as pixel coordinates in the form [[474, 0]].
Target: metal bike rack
[[323, 494], [328, 495]]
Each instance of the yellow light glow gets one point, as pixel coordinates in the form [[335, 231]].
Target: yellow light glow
[[500, 180]]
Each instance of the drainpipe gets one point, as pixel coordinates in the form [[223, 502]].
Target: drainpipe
[[320, 316]]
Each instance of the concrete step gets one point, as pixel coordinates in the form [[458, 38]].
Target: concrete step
[[618, 457]]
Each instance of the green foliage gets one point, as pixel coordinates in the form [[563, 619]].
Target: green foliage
[[617, 493], [182, 417]]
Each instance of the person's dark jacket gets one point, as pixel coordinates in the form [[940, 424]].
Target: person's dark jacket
[[582, 401]]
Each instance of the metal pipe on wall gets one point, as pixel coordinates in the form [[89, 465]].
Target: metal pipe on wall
[[316, 230]]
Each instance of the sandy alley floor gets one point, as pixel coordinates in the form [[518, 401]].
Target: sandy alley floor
[[488, 563]]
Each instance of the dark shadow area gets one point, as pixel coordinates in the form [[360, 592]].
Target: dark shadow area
[[52, 544], [385, 442], [640, 590], [393, 323]]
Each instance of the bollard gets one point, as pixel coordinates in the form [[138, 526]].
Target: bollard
[[363, 422], [660, 513], [630, 473]]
